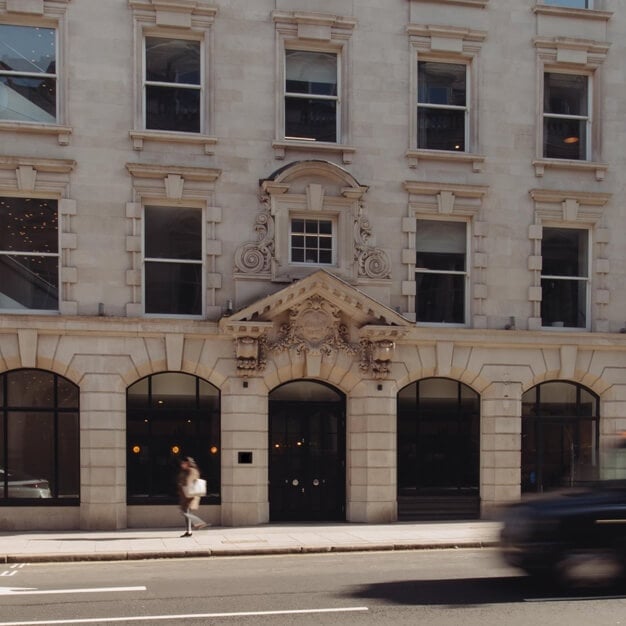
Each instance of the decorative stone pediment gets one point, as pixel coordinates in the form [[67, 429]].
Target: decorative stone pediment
[[316, 318]]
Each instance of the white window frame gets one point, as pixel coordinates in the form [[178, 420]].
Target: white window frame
[[337, 99], [448, 107], [201, 87], [466, 274], [588, 119], [582, 279], [333, 236], [201, 261]]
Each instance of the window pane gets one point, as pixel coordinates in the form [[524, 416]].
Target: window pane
[[174, 390], [565, 94], [173, 108], [173, 288], [441, 129], [440, 236], [30, 388], [68, 451], [29, 282], [564, 138], [28, 99], [28, 225], [311, 72], [440, 298], [311, 119], [574, 4], [441, 83], [31, 454], [173, 233], [564, 252], [172, 60], [563, 303], [67, 394]]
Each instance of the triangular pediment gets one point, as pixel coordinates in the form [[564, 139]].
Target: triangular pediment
[[313, 319], [355, 305]]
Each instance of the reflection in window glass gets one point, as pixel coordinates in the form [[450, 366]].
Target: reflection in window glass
[[29, 254], [564, 277], [441, 271], [173, 86], [441, 106], [572, 4], [28, 79], [566, 116], [39, 437], [560, 423], [171, 415], [173, 261], [311, 95], [311, 241]]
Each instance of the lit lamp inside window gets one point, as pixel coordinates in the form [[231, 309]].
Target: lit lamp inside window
[[571, 140]]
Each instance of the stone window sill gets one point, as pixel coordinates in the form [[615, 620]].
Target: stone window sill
[[599, 169], [475, 160], [281, 147], [589, 14], [62, 132], [139, 137]]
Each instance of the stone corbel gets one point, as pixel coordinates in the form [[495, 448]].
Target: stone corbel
[[250, 339], [378, 347], [250, 355]]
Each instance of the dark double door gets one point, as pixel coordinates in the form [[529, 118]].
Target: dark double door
[[307, 472]]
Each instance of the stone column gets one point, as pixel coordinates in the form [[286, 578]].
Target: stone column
[[244, 430], [371, 453], [102, 452], [500, 445]]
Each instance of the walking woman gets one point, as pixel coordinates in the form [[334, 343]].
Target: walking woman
[[188, 473]]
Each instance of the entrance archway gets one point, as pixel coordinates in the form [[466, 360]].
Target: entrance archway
[[560, 436], [438, 450], [307, 452]]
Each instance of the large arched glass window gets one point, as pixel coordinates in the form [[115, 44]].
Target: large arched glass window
[[171, 415], [438, 450], [39, 438], [560, 432]]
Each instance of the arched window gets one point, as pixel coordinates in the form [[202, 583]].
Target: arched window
[[438, 450], [39, 438], [560, 432], [171, 415]]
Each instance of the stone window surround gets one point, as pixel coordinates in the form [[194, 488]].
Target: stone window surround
[[446, 44], [453, 202], [318, 32], [168, 18], [330, 191], [48, 14], [573, 56], [588, 14], [162, 185], [564, 209], [50, 179]]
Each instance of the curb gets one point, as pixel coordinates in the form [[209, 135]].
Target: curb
[[230, 552]]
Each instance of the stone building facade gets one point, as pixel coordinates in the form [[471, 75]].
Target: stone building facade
[[363, 260]]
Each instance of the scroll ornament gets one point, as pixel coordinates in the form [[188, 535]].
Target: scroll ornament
[[372, 262], [255, 257]]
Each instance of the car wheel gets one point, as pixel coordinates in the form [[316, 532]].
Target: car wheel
[[588, 568]]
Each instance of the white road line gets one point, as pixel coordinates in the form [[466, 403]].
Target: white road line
[[150, 618], [8, 591], [8, 572]]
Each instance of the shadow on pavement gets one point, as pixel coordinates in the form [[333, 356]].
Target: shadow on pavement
[[474, 591]]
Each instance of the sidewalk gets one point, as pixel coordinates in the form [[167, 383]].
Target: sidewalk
[[134, 544]]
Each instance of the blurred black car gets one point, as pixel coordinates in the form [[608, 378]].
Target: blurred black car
[[576, 537]]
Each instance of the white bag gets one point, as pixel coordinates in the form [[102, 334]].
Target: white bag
[[197, 488]]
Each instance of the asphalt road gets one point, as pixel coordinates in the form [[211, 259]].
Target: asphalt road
[[439, 587]]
